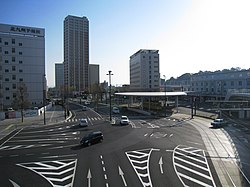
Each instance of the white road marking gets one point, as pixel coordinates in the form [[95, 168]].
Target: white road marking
[[160, 164], [186, 169], [122, 175], [141, 157], [89, 176], [53, 172], [11, 137], [14, 184]]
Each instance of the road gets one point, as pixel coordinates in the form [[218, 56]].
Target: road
[[148, 152]]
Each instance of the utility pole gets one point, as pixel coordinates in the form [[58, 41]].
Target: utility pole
[[44, 101], [109, 74], [165, 107]]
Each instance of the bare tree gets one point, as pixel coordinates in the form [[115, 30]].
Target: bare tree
[[21, 101]]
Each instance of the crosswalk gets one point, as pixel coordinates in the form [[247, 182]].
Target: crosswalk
[[165, 122], [88, 118]]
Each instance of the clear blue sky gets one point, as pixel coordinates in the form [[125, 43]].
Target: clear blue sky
[[190, 35]]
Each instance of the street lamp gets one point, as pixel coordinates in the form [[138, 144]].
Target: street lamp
[[44, 99], [165, 95], [109, 74]]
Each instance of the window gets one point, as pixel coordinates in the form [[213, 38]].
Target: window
[[7, 98], [6, 52], [13, 68], [20, 61], [0, 49], [20, 53], [7, 88], [7, 79], [13, 77], [13, 41], [240, 83], [6, 43], [14, 94], [6, 61], [13, 50], [0, 40], [20, 70], [20, 44], [21, 79], [6, 70], [13, 59]]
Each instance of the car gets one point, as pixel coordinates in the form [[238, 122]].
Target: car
[[217, 122], [115, 110], [83, 122], [124, 120], [84, 108], [92, 138], [10, 110], [87, 102]]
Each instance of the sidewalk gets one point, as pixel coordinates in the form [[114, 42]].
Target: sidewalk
[[221, 152], [52, 116]]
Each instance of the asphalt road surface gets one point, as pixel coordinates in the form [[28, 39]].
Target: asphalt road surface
[[147, 153]]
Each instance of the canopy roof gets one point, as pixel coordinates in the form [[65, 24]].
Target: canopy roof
[[151, 93]]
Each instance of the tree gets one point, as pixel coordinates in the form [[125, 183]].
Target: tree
[[21, 100]]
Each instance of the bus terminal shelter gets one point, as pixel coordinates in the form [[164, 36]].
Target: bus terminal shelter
[[143, 95]]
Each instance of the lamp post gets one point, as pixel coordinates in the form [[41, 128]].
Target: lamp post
[[165, 95], [44, 101], [109, 74]]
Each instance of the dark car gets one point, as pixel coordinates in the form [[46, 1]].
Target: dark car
[[92, 138]]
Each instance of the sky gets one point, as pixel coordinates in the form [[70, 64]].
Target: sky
[[191, 35]]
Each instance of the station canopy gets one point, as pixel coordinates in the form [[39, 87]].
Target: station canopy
[[148, 94]]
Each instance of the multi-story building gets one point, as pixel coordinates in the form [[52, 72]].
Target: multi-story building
[[144, 71], [59, 78], [217, 83], [93, 76], [22, 63], [76, 53]]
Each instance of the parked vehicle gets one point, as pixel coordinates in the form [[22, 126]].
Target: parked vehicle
[[116, 110], [217, 122], [124, 120], [92, 138], [84, 108], [83, 122]]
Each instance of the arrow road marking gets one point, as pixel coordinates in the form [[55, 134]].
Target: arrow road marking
[[161, 163], [122, 176], [89, 176]]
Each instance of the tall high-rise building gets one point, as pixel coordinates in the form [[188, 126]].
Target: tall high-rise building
[[59, 76], [76, 53], [22, 65], [93, 76], [145, 71]]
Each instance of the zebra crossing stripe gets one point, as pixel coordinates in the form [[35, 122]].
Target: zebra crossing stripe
[[138, 159], [53, 172], [198, 169]]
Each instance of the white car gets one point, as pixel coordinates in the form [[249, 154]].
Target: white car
[[83, 122], [217, 122], [116, 110], [124, 120]]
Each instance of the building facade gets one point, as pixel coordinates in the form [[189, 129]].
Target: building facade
[[218, 83], [94, 76], [59, 78], [76, 53], [145, 71], [22, 62]]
